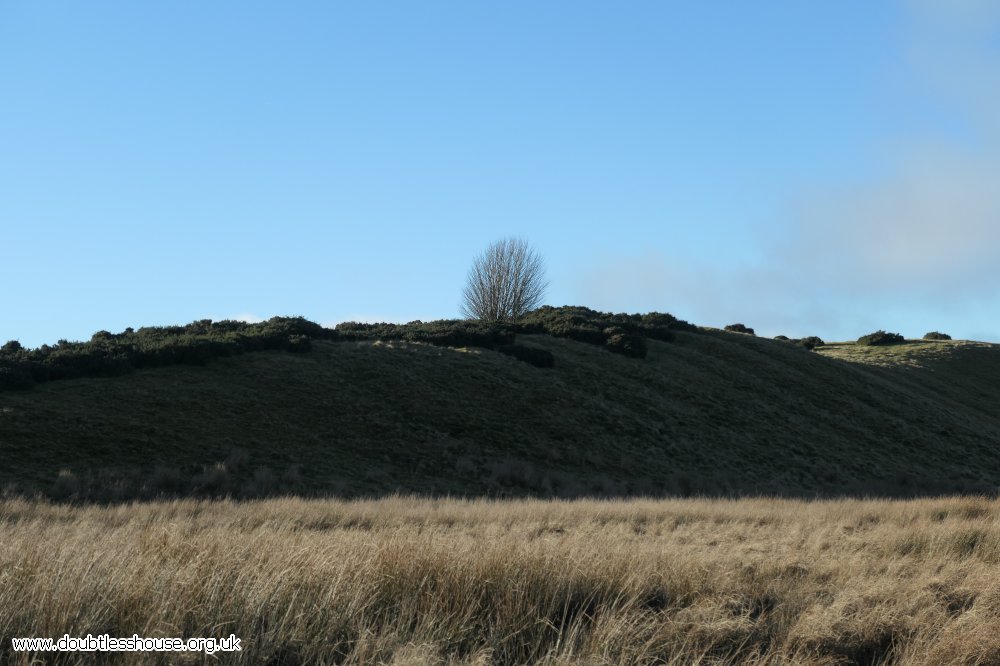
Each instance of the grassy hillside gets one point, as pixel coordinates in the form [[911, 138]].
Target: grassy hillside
[[709, 412]]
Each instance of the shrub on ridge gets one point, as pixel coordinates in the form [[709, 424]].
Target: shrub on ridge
[[879, 338], [739, 328]]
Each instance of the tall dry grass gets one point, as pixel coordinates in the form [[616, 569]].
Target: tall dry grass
[[411, 581]]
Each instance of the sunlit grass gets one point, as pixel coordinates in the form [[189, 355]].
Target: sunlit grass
[[912, 353], [406, 580]]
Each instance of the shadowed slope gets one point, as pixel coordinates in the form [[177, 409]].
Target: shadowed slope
[[711, 412]]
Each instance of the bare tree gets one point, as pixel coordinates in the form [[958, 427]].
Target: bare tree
[[505, 282]]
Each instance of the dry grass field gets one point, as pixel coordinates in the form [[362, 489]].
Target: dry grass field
[[418, 581]]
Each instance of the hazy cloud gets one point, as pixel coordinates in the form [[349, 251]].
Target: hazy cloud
[[923, 234], [934, 224], [931, 222], [771, 299]]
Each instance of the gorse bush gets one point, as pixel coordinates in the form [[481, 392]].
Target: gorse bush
[[109, 354], [620, 333], [621, 341], [935, 335], [445, 333], [810, 342], [660, 325], [881, 338], [577, 323], [739, 328], [586, 325]]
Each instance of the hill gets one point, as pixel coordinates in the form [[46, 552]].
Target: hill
[[703, 412]]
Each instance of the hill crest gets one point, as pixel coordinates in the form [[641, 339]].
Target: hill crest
[[361, 412]]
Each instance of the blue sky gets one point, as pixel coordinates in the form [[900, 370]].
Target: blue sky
[[802, 168]]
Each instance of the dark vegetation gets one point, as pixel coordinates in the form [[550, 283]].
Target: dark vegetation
[[881, 338], [535, 407], [935, 335], [620, 333], [540, 358], [111, 354], [740, 328], [444, 333], [810, 342]]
